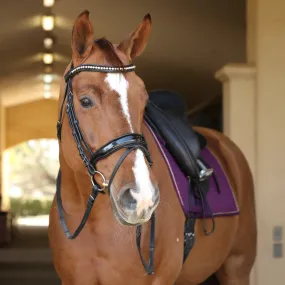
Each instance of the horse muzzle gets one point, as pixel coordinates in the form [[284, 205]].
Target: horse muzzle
[[134, 207]]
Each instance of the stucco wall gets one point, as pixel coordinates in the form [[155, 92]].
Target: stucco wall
[[32, 120]]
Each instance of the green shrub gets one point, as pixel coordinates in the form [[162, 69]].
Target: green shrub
[[29, 207]]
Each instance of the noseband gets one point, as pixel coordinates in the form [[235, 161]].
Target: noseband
[[130, 142]]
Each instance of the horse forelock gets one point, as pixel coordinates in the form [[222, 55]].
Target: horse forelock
[[107, 47]]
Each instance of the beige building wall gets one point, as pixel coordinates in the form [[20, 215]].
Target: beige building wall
[[254, 117], [270, 130], [33, 120]]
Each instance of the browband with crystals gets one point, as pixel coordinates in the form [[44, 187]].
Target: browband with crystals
[[98, 68]]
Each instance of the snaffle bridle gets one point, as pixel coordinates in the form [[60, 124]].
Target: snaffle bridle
[[130, 142]]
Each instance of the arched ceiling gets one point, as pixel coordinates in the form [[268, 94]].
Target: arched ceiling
[[190, 40]]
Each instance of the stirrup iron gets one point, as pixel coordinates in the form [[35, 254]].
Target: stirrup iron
[[205, 172]]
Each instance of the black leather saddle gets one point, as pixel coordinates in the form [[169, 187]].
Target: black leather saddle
[[166, 113]]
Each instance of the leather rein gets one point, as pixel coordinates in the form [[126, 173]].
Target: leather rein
[[130, 142]]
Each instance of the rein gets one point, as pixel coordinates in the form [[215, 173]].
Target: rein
[[130, 142]]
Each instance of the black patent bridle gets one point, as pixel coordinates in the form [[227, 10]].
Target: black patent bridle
[[130, 142]]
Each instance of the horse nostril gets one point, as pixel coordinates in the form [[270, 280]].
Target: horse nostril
[[127, 200]]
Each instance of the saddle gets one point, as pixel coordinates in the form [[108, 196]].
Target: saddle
[[166, 113]]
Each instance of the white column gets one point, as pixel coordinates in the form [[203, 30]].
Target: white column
[[239, 107], [239, 113]]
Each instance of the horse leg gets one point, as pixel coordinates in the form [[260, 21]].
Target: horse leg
[[227, 275], [237, 266]]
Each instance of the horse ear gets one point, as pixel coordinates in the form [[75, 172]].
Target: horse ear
[[136, 42], [82, 37]]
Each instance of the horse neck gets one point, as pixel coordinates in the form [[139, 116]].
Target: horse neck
[[75, 186]]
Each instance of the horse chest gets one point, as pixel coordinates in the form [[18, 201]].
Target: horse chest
[[110, 256]]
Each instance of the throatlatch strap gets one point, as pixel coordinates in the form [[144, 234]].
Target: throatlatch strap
[[90, 203]]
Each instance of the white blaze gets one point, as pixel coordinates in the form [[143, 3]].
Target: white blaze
[[145, 189], [118, 83]]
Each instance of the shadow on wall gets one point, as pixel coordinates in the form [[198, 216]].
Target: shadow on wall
[[208, 114], [209, 117]]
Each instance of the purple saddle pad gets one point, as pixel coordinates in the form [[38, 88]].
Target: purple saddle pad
[[221, 202]]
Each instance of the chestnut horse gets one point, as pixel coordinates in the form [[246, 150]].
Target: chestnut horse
[[133, 212]]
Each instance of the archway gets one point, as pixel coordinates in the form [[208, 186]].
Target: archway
[[31, 176]]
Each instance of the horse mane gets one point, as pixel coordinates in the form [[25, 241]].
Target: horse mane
[[108, 49]]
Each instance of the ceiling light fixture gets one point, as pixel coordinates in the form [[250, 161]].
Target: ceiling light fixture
[[47, 78], [48, 58], [48, 22], [48, 3], [48, 42], [47, 94]]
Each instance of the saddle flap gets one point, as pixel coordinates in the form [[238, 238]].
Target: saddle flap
[[181, 140]]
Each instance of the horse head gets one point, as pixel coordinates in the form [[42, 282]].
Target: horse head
[[105, 111]]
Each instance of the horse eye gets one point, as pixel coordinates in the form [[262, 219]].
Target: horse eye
[[86, 102]]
